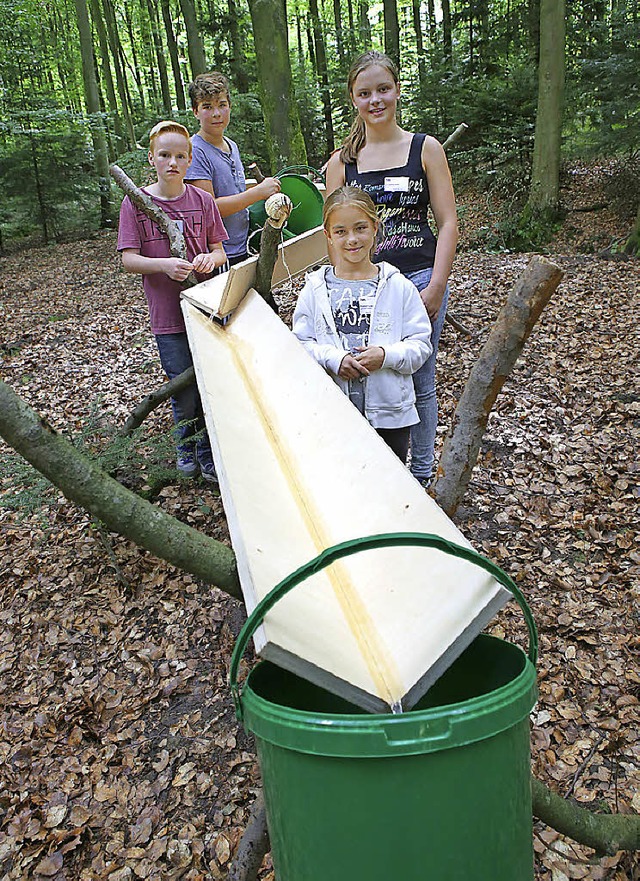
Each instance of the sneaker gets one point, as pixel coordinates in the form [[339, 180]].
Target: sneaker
[[426, 482], [208, 470], [186, 465]]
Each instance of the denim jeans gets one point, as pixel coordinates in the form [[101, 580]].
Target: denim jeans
[[423, 433], [175, 357]]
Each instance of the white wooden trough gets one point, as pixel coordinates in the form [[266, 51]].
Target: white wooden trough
[[301, 470]]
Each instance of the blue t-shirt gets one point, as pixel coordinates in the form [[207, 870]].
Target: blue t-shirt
[[226, 174], [352, 306]]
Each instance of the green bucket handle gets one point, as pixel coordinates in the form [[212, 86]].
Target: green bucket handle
[[345, 549], [301, 169]]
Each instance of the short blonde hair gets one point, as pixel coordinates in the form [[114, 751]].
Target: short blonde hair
[[165, 127]]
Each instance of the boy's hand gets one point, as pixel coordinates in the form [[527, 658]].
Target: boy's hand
[[351, 368], [268, 187], [370, 357], [207, 262], [177, 268]]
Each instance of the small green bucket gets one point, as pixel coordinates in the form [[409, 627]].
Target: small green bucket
[[439, 793], [307, 204]]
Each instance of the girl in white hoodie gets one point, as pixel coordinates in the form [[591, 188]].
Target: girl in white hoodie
[[364, 322]]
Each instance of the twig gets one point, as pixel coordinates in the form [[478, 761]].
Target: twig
[[454, 136], [457, 325], [106, 543], [583, 765], [154, 399]]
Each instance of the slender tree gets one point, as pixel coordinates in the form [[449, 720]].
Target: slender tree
[[195, 48], [92, 100], [174, 55], [160, 56], [391, 31], [322, 73], [121, 141], [545, 175], [282, 124]]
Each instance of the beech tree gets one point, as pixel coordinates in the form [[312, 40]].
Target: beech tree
[[545, 175], [282, 124]]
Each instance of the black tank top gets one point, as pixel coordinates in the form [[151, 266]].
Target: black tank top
[[402, 197]]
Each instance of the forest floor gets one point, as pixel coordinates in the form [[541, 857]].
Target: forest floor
[[120, 756]]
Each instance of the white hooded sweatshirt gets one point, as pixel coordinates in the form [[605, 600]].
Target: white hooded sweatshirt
[[399, 324]]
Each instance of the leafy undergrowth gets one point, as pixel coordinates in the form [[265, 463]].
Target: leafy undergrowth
[[120, 756]]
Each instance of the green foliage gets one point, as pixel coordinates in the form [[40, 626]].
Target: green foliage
[[46, 175]]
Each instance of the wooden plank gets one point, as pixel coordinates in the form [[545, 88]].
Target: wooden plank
[[301, 470], [222, 294]]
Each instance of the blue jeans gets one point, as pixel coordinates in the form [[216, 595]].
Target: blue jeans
[[423, 433], [175, 357]]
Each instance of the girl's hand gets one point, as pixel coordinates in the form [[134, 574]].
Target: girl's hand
[[177, 268], [205, 263], [351, 368], [370, 357], [432, 299]]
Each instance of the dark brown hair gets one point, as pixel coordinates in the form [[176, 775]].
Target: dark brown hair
[[208, 85]]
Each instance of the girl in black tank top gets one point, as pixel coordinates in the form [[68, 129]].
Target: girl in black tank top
[[371, 158], [402, 197]]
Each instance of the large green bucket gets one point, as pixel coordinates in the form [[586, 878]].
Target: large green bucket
[[439, 793], [307, 204]]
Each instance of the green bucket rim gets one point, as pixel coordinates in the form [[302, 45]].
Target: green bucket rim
[[330, 555], [414, 732]]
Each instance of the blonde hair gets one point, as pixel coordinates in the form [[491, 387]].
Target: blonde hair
[[165, 127], [208, 85], [348, 195], [357, 137]]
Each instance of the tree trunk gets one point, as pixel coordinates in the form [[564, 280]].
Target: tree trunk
[[123, 92], [322, 73], [236, 62], [134, 66], [174, 55], [633, 242], [545, 176], [121, 510], [92, 99], [282, 124], [447, 40], [517, 317], [391, 31], [364, 25], [160, 58], [121, 141], [195, 48], [417, 26]]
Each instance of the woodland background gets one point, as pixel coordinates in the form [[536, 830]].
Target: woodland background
[[83, 81]]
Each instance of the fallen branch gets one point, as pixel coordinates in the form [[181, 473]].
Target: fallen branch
[[165, 224], [85, 483], [517, 317], [154, 399], [605, 833], [455, 136], [253, 846]]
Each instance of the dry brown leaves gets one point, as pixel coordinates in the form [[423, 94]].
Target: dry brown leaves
[[120, 757]]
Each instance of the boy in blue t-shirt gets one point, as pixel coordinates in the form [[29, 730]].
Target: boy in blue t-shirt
[[216, 166]]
